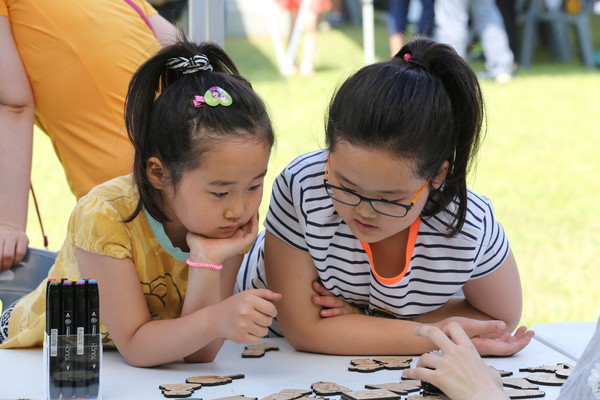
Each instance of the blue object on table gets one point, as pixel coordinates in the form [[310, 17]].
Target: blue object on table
[[22, 278], [559, 20]]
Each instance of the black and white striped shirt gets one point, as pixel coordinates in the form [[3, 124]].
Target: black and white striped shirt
[[302, 215]]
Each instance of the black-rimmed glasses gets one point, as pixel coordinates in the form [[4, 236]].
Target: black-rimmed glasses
[[385, 207]]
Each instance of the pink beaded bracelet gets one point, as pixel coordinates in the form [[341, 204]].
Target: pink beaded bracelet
[[204, 265]]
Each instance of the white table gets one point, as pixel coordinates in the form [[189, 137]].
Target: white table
[[568, 338], [21, 372]]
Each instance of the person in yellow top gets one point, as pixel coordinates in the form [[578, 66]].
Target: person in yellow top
[[165, 243], [66, 66]]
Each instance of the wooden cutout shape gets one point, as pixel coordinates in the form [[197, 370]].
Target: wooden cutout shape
[[503, 373], [524, 394], [288, 394], [295, 393], [376, 394], [564, 370], [237, 397], [180, 386], [519, 383], [258, 350], [311, 398], [546, 379], [547, 368], [403, 387], [377, 364], [328, 388], [213, 380], [428, 397], [172, 394], [365, 367], [394, 363], [363, 361]]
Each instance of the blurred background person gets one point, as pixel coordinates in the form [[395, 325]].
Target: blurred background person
[[310, 22], [398, 21], [452, 27], [66, 66]]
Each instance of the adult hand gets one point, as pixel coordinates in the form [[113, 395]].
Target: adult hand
[[13, 246], [332, 305], [249, 315], [215, 251], [457, 370]]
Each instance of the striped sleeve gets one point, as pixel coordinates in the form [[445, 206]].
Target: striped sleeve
[[495, 245], [286, 218]]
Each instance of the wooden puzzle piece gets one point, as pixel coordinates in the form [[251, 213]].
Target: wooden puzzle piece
[[524, 394], [564, 370], [177, 394], [258, 350], [547, 368], [503, 373], [376, 394], [295, 393], [366, 367], [213, 380], [288, 394], [328, 388], [545, 379], [178, 390], [363, 361], [180, 386], [403, 387], [394, 363], [519, 383], [377, 364]]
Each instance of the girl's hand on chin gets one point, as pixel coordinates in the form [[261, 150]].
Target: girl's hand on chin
[[216, 251]]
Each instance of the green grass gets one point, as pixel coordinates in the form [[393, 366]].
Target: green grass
[[537, 163]]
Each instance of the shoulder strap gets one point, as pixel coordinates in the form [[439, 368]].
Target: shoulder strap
[[141, 14]]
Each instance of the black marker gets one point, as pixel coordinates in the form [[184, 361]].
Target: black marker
[[68, 335], [53, 328], [93, 320], [79, 356]]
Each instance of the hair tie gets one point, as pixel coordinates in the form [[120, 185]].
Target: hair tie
[[417, 61], [190, 65]]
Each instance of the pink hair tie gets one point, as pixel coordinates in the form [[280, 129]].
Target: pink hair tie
[[416, 61]]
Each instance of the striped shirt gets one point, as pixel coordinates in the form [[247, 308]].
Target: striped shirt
[[303, 216]]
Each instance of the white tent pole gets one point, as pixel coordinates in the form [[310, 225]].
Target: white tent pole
[[368, 31]]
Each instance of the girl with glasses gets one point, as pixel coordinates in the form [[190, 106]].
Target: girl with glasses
[[375, 235]]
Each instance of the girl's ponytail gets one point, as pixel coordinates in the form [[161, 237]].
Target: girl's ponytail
[[463, 90]]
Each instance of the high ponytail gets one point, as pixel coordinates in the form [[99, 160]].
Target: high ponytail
[[424, 104]]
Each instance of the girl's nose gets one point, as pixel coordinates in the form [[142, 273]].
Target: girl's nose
[[365, 210], [233, 213]]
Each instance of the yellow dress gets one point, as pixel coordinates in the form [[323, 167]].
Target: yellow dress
[[97, 226], [79, 57]]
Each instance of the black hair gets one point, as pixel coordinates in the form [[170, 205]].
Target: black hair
[[428, 109], [162, 120]]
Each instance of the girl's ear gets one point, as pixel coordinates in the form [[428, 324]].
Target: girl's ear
[[157, 173], [440, 175]]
